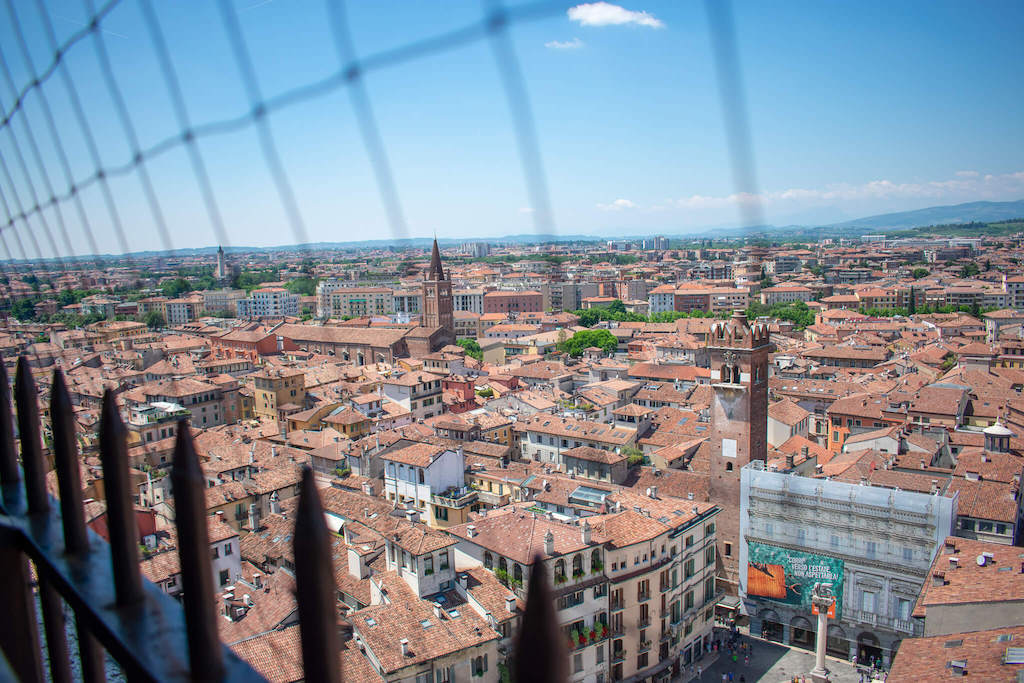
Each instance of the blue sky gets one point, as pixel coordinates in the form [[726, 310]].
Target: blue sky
[[854, 108]]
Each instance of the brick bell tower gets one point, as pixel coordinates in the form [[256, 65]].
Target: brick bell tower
[[738, 353], [438, 309]]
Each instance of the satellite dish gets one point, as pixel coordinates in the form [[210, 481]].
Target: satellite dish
[[981, 560]]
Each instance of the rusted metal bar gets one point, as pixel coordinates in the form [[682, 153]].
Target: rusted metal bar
[[204, 648], [315, 589], [121, 524], [540, 655], [31, 444], [19, 634], [38, 506], [69, 482], [9, 473]]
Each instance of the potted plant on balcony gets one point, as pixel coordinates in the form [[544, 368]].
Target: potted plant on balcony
[[574, 637], [560, 578], [596, 568], [577, 575], [582, 639]]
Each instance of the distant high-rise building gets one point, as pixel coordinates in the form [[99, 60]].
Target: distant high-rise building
[[477, 249], [438, 310]]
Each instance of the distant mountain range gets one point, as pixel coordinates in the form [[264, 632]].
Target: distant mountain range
[[983, 212]]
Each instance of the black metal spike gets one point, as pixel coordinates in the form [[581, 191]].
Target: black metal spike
[[31, 445], [204, 648], [69, 481], [315, 589], [540, 655], [8, 456], [121, 524], [65, 458]]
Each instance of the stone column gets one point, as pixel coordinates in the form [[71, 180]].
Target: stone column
[[822, 599]]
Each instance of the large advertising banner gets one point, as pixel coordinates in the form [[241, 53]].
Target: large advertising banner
[[789, 576]]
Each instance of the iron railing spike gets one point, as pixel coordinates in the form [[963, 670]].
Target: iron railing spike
[[9, 473], [540, 655], [205, 652], [315, 589], [121, 524], [31, 444], [65, 460], [39, 504], [72, 511]]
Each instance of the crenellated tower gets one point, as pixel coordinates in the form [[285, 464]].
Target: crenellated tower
[[739, 356]]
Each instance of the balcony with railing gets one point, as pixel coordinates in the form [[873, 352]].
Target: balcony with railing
[[455, 497]]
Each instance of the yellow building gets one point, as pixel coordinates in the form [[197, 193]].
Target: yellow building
[[277, 391]]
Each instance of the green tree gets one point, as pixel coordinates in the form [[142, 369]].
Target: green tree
[[472, 347], [176, 287], [23, 309], [919, 273], [975, 309], [154, 320], [617, 306], [584, 339], [969, 270], [635, 455], [911, 304], [303, 286]]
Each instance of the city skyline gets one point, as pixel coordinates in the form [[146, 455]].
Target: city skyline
[[623, 97]]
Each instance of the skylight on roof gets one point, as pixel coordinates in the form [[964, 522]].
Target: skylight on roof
[[426, 623], [371, 622]]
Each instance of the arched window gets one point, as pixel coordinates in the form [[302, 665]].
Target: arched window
[[726, 374], [517, 574], [728, 467], [595, 560], [577, 565], [488, 560], [360, 357], [503, 565], [344, 354], [560, 569]]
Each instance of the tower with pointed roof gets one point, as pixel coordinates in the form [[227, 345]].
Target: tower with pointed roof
[[222, 264], [438, 309]]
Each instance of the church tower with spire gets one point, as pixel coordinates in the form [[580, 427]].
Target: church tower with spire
[[438, 310]]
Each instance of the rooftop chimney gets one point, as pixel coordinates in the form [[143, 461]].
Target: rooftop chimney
[[471, 530], [585, 533], [949, 548], [790, 461], [464, 580], [412, 515], [254, 517], [863, 481], [938, 579], [935, 486], [275, 503], [404, 642], [510, 604], [368, 488], [257, 580], [549, 543], [804, 451]]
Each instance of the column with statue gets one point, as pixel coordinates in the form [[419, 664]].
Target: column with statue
[[823, 601]]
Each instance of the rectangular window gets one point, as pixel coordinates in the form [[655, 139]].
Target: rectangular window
[[908, 554], [641, 661], [227, 549], [442, 560], [577, 663], [871, 548], [903, 609], [728, 549], [801, 536], [867, 601]]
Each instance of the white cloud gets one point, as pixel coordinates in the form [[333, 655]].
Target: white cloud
[[617, 205], [573, 44], [967, 186], [607, 14]]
